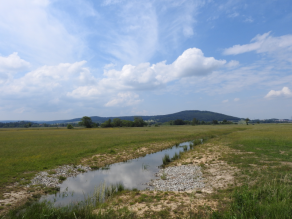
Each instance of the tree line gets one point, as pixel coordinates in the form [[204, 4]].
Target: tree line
[[198, 122], [116, 122]]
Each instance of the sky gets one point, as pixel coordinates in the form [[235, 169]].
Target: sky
[[62, 59]]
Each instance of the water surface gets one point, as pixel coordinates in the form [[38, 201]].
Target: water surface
[[133, 174]]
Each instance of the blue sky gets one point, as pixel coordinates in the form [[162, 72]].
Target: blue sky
[[67, 59]]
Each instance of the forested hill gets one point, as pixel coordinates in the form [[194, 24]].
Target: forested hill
[[184, 115]]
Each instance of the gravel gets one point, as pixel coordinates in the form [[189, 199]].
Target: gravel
[[178, 178], [52, 179]]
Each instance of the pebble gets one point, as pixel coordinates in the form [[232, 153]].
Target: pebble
[[52, 180], [178, 178]]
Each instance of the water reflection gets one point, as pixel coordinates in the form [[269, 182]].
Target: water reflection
[[133, 174]]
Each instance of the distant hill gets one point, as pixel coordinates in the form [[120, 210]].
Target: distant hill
[[184, 115]]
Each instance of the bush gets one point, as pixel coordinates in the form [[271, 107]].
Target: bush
[[69, 126]]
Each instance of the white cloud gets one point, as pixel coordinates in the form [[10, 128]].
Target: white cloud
[[225, 101], [133, 36], [233, 15], [285, 92], [232, 64], [193, 63], [145, 76], [46, 80], [111, 2], [85, 92], [36, 32], [110, 65], [236, 99], [124, 99], [13, 63], [52, 84], [279, 46], [248, 20]]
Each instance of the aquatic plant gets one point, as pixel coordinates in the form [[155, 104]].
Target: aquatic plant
[[191, 146], [62, 178], [176, 156], [166, 159], [145, 167], [197, 142], [185, 147]]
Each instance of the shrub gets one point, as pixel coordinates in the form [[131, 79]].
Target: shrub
[[69, 126]]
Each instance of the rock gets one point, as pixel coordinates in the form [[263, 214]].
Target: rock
[[178, 178], [52, 180]]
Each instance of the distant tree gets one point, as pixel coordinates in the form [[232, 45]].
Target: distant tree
[[139, 122], [215, 121], [247, 120], [86, 121], [178, 122], [69, 126], [195, 121], [107, 124], [127, 123], [117, 122]]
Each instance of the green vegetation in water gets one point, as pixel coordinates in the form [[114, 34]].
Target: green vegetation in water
[[166, 159], [62, 178], [176, 156]]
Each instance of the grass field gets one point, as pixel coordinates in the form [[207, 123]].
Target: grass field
[[262, 155], [26, 151]]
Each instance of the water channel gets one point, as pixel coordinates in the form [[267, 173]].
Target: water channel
[[132, 174]]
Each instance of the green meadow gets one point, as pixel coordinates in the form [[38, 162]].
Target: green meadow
[[262, 153], [26, 151]]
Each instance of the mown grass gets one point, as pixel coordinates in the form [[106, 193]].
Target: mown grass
[[264, 158], [27, 151]]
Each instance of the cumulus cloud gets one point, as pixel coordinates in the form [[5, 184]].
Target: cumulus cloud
[[284, 93], [236, 99], [264, 43], [232, 64], [193, 63], [13, 63], [46, 79], [66, 81], [145, 76], [225, 101], [85, 92], [124, 99]]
